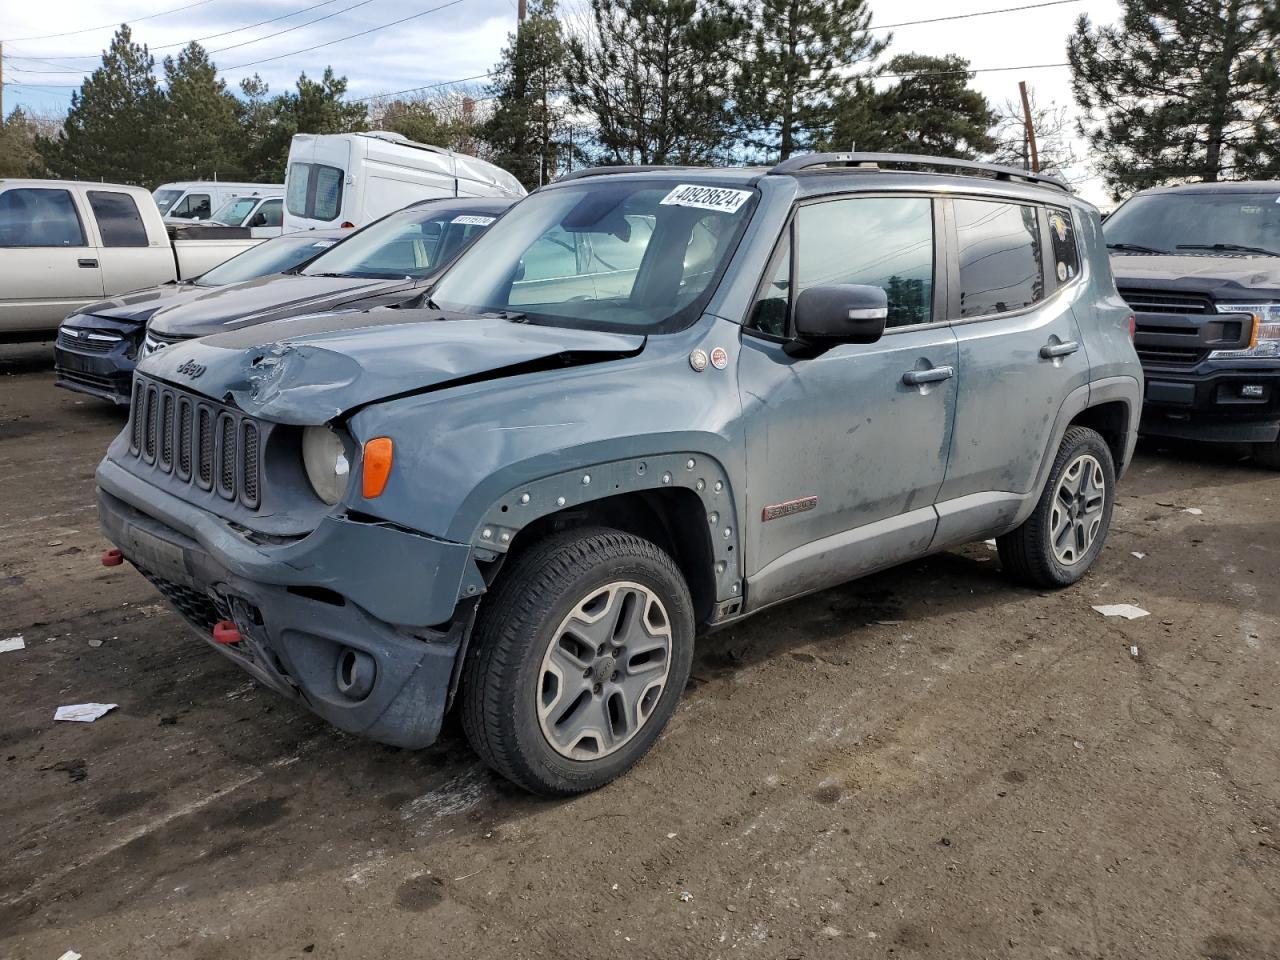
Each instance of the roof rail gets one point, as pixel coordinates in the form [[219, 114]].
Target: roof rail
[[874, 161], [628, 168]]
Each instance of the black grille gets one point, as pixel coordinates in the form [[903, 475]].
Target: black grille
[[88, 379], [178, 432], [83, 343], [196, 608], [1164, 301]]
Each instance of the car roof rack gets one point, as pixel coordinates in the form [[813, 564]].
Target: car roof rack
[[625, 168], [813, 162]]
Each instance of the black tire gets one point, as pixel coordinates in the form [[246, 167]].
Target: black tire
[[514, 629], [1027, 553], [1267, 454]]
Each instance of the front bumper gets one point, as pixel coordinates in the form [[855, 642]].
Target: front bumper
[[85, 363], [1211, 403], [350, 592]]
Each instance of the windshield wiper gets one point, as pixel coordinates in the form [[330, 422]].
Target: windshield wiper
[[330, 275], [1229, 248], [1134, 248], [510, 315]]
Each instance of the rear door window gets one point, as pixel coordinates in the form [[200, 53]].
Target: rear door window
[[271, 213], [39, 217], [1001, 265], [118, 219], [194, 206], [314, 191]]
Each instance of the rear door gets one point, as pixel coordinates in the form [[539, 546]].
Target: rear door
[[316, 183], [129, 260], [1013, 307], [48, 263]]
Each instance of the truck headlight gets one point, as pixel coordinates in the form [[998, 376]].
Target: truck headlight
[[325, 459], [1267, 319]]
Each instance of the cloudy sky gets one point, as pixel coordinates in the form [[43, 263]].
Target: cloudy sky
[[440, 40]]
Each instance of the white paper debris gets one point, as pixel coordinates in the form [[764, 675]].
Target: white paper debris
[[1194, 511], [889, 623], [685, 896], [1139, 555], [70, 955], [83, 712], [13, 643], [1133, 651], [1126, 610]]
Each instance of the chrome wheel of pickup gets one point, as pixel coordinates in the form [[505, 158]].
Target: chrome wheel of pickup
[[1077, 511], [604, 671]]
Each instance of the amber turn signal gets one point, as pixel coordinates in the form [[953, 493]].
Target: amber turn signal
[[378, 454]]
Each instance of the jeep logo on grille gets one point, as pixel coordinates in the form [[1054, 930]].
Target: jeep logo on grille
[[191, 369]]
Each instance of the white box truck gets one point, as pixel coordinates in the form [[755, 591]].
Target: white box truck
[[351, 179]]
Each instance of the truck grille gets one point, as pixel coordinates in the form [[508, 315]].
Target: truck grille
[[1163, 301], [1165, 344], [196, 441]]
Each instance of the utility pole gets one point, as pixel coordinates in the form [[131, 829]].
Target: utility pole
[[523, 9], [2, 79], [1031, 129]]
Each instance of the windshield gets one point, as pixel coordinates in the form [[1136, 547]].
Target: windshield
[[270, 256], [604, 254], [1226, 222], [233, 212], [411, 244], [166, 199]]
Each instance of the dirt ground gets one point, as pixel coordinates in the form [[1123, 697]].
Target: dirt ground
[[927, 763]]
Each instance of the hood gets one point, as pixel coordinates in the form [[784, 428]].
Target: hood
[[315, 368], [141, 305], [265, 299], [1223, 278]]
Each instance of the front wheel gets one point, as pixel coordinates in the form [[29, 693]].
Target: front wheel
[[578, 658], [1058, 543]]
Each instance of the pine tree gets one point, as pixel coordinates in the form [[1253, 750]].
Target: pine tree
[[18, 133], [202, 137], [311, 107], [655, 77], [114, 129], [792, 70], [1180, 90], [929, 109], [526, 130]]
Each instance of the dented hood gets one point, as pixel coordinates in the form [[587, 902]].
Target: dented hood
[[265, 299], [311, 369]]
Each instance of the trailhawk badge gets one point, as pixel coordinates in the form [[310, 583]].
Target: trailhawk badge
[[788, 508]]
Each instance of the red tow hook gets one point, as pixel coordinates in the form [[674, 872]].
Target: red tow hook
[[112, 557], [224, 631]]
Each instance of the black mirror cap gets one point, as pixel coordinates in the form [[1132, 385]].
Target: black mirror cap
[[841, 313]]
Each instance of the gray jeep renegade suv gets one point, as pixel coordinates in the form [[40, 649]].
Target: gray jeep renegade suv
[[648, 403]]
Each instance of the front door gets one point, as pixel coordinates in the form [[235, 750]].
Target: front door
[[47, 266], [846, 451]]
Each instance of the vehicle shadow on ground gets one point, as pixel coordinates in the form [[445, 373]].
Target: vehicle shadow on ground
[[25, 357], [1172, 465], [299, 797]]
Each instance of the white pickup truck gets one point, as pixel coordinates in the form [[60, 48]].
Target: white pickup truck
[[65, 243]]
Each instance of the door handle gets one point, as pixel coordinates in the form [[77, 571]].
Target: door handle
[[913, 378], [88, 264], [1064, 349]]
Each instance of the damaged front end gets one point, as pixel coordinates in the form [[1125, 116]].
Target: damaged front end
[[209, 493]]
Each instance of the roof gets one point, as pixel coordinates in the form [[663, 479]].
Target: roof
[[1229, 186], [34, 182]]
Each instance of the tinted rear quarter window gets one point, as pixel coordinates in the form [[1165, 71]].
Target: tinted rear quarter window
[[39, 217], [1000, 257], [1065, 262], [118, 219]]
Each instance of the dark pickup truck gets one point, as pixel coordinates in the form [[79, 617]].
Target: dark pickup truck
[[1200, 267]]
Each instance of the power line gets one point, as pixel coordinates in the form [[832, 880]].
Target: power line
[[362, 33], [968, 16], [430, 86], [296, 26], [951, 73], [106, 26]]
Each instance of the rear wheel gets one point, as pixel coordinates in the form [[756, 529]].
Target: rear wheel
[[578, 658], [1267, 454], [1058, 543]]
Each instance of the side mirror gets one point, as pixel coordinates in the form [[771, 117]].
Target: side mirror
[[840, 313]]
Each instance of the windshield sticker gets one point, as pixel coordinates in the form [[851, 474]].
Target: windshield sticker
[[322, 244], [721, 199], [473, 220]]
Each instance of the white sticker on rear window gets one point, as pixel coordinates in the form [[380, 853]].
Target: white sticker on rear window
[[321, 244], [473, 220], [722, 199]]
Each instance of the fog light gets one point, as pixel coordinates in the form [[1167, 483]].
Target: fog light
[[1251, 391]]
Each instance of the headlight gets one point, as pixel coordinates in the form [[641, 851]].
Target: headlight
[[1267, 316], [326, 461]]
